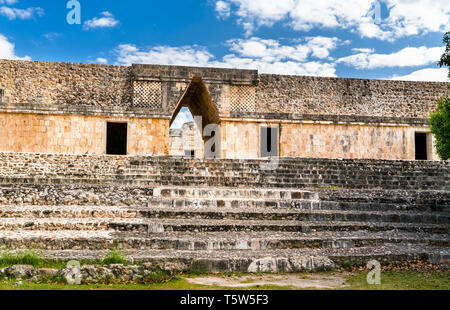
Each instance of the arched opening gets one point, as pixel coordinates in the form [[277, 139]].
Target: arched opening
[[185, 136], [200, 134]]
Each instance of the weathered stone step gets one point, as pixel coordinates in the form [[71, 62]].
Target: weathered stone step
[[99, 240], [290, 204], [226, 193], [174, 178], [372, 206], [277, 260], [203, 225], [224, 213], [223, 203]]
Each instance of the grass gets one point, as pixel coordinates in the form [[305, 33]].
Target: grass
[[30, 258], [114, 257], [403, 280], [356, 280], [177, 284], [390, 280]]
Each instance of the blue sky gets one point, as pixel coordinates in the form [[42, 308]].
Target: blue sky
[[379, 39]]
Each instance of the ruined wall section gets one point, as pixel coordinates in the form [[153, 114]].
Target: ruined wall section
[[66, 88], [317, 98]]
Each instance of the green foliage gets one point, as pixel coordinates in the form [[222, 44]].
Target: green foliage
[[114, 257], [445, 59], [440, 127], [29, 258]]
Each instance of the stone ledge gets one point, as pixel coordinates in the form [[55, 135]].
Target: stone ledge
[[186, 74]]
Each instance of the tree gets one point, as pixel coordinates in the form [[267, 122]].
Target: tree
[[440, 127], [445, 59], [440, 120]]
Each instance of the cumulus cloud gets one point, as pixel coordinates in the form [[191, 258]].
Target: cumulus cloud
[[7, 50], [101, 60], [426, 75], [268, 56], [407, 57], [8, 2], [106, 20], [15, 13], [164, 55], [406, 17], [223, 9]]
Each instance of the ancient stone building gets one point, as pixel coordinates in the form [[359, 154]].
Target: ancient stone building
[[186, 141], [67, 108], [345, 187]]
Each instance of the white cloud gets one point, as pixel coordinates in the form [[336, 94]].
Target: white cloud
[[182, 118], [101, 60], [407, 57], [14, 13], [363, 50], [223, 9], [268, 56], [426, 75], [406, 17], [164, 55], [7, 50], [106, 20]]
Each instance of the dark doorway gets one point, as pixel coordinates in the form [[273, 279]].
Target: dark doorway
[[269, 142], [421, 146], [116, 139]]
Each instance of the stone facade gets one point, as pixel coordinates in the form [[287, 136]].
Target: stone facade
[[185, 140], [76, 134], [63, 108]]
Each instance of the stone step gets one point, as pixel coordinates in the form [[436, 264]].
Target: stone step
[[176, 178], [290, 204], [228, 203], [372, 206], [276, 260], [218, 213], [102, 239], [203, 225], [251, 193]]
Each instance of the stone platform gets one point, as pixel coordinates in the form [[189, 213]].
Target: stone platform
[[225, 215]]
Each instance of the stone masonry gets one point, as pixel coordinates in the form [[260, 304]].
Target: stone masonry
[[64, 108]]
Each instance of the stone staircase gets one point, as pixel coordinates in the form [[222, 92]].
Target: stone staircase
[[70, 207]]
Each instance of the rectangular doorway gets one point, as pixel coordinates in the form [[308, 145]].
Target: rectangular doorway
[[421, 146], [269, 142], [116, 141]]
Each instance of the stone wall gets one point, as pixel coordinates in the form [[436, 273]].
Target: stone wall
[[186, 138], [71, 134], [336, 96], [96, 170], [63, 108], [46, 85], [154, 91], [241, 140]]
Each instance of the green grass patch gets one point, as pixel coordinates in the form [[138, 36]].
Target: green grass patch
[[403, 280], [114, 257], [176, 284], [30, 258]]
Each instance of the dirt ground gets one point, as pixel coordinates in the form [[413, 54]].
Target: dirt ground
[[318, 281]]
